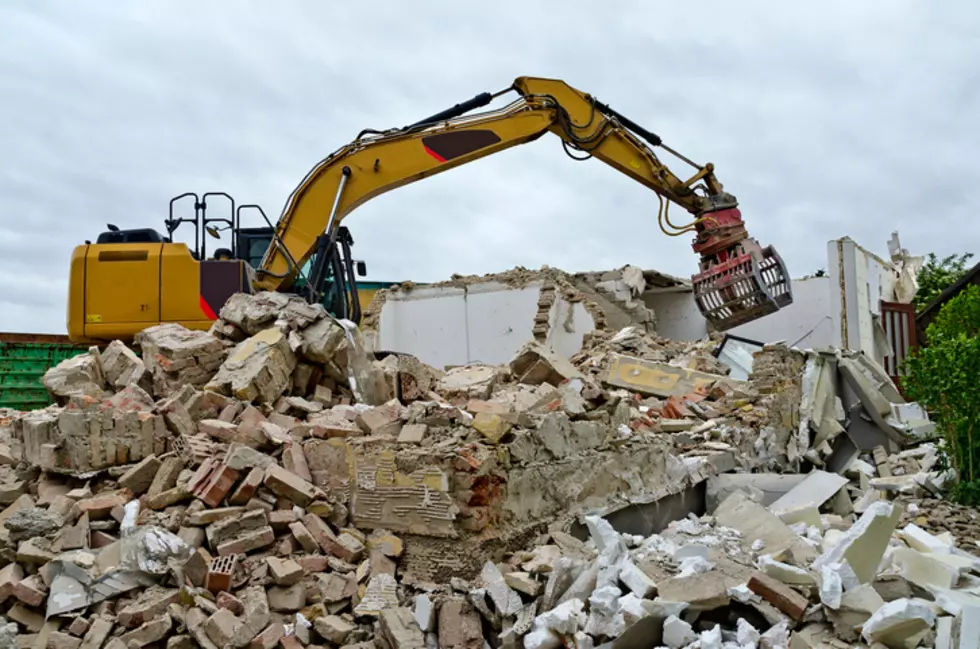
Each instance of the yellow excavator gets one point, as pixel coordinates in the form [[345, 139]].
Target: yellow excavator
[[131, 279]]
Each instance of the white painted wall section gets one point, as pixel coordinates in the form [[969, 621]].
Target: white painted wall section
[[807, 322], [678, 317], [482, 323]]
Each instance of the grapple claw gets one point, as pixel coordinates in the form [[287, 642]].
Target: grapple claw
[[740, 281]]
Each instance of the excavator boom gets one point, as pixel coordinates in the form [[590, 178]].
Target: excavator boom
[[738, 280], [128, 280]]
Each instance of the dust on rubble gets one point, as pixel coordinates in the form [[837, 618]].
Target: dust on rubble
[[269, 482]]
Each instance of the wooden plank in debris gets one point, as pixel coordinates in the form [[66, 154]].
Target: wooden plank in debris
[[657, 379]]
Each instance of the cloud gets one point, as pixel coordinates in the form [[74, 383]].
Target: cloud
[[825, 120]]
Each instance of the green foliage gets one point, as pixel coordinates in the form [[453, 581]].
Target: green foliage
[[937, 274], [961, 315], [945, 378]]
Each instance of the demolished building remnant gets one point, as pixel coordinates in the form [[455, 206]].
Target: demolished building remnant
[[270, 483]]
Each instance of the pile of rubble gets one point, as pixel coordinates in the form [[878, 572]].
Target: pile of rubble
[[269, 482]]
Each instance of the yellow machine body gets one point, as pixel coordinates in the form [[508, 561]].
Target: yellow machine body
[[119, 289]]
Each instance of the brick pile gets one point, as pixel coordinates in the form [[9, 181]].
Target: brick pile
[[269, 483]]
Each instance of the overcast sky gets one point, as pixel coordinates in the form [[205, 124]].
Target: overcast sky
[[825, 120]]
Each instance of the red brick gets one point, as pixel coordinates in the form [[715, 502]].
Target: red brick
[[100, 506], [312, 563], [280, 519], [213, 488], [247, 542], [327, 540], [10, 576], [294, 460], [779, 595], [289, 485], [268, 638], [220, 573], [290, 642], [247, 487], [31, 591], [304, 536]]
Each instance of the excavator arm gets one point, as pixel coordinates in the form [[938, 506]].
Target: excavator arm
[[738, 280]]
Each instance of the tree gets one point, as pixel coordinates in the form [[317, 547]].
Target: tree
[[938, 274], [943, 377]]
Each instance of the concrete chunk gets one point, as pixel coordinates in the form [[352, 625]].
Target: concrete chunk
[[121, 365], [757, 523], [399, 629], [535, 364], [139, 478], [258, 369], [897, 624], [863, 545]]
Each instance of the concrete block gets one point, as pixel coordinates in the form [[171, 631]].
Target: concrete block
[[918, 539], [412, 433], [636, 580], [504, 598], [491, 426], [817, 488], [470, 381], [785, 573]]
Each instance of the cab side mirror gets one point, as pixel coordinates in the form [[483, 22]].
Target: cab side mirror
[[361, 269]]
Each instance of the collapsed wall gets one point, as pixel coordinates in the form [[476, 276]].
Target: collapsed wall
[[272, 477]]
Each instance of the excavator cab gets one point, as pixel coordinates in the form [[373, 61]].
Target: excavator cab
[[336, 288]]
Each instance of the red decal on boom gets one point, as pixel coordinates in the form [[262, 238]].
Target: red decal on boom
[[434, 154]]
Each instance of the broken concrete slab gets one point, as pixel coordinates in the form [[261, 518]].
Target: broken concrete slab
[[817, 488], [863, 545], [658, 379], [758, 524]]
